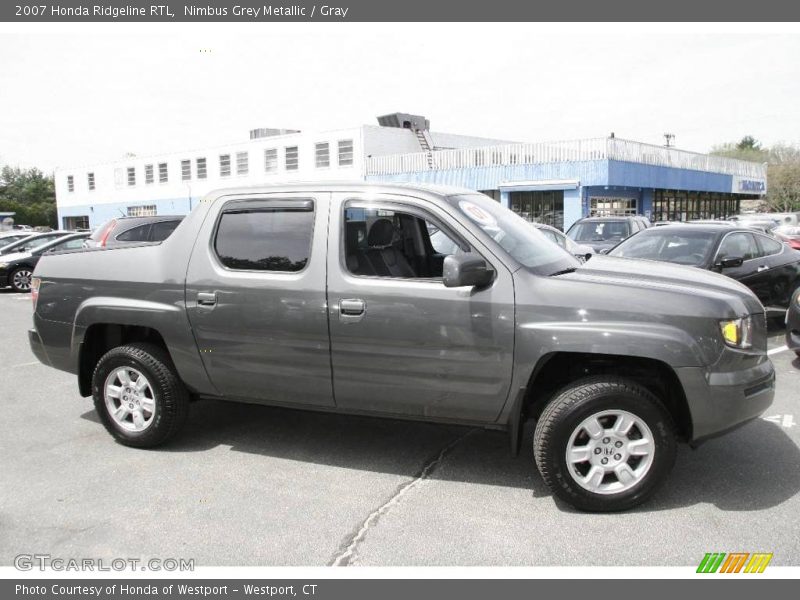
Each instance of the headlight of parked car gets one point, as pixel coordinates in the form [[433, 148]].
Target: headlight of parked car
[[3, 265], [738, 332]]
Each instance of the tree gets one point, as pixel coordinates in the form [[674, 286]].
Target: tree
[[783, 170], [30, 194]]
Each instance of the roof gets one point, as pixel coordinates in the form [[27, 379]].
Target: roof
[[347, 186]]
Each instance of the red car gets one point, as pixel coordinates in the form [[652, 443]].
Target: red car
[[789, 234]]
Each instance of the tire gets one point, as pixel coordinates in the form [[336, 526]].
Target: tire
[[20, 279], [565, 424], [162, 406]]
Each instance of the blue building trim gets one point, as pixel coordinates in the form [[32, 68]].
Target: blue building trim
[[99, 213], [647, 176]]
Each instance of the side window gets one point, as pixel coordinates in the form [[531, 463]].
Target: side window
[[738, 244], [265, 239], [135, 234], [162, 230], [769, 246], [389, 243], [68, 245]]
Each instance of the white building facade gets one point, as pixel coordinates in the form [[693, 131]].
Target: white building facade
[[172, 184]]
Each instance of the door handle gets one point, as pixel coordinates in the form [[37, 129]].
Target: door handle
[[206, 298], [352, 310], [763, 268], [352, 306]]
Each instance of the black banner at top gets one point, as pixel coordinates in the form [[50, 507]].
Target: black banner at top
[[399, 10]]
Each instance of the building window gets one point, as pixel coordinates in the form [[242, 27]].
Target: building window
[[148, 174], [266, 240], [186, 170], [291, 158], [72, 223], [242, 163], [224, 165], [90, 180], [270, 160], [345, 153], [200, 166], [322, 155], [612, 207], [131, 176], [163, 174], [70, 183], [148, 210], [540, 206]]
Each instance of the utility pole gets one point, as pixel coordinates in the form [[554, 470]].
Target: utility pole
[[670, 138]]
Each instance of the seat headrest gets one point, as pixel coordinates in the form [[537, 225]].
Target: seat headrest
[[381, 233]]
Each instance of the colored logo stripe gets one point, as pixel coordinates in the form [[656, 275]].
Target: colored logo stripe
[[734, 562]]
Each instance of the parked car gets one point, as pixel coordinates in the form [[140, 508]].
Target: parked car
[[123, 231], [793, 324], [581, 251], [765, 265], [332, 297], [603, 233], [9, 237], [23, 228], [16, 269], [31, 241], [788, 234]]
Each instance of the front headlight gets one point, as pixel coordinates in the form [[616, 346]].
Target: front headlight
[[738, 332], [3, 265]]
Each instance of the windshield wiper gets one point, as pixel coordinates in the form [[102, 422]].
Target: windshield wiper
[[563, 272]]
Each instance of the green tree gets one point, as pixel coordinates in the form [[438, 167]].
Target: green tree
[[30, 194], [783, 169]]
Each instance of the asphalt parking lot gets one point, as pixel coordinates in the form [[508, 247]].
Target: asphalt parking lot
[[250, 485]]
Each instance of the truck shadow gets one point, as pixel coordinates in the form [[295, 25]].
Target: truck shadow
[[750, 469]]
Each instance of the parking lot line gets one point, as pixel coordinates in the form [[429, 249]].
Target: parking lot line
[[778, 349]]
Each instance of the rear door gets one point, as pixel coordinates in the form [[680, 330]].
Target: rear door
[[255, 295], [401, 342], [781, 264]]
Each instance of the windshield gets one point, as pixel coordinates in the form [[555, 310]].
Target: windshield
[[515, 235], [600, 231], [681, 247]]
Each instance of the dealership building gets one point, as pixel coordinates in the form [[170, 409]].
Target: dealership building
[[551, 182]]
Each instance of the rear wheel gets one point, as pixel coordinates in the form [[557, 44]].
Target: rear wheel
[[20, 279], [604, 444], [138, 395]]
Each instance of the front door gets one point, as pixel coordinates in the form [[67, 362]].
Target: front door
[[401, 342], [255, 294]]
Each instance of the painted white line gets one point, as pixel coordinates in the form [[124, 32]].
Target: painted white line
[[778, 349], [28, 364]]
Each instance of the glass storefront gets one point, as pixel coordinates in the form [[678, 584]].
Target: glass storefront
[[540, 207], [669, 205], [612, 207]]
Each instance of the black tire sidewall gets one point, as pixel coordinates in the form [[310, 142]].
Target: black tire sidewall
[[650, 411], [121, 357]]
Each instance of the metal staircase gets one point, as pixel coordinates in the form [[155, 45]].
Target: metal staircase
[[426, 143]]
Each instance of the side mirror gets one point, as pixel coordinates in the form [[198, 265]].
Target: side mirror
[[465, 269], [604, 251], [730, 262]]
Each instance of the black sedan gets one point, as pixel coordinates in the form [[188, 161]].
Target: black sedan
[[767, 266], [16, 269]]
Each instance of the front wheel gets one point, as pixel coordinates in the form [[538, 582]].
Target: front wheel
[[20, 279], [604, 444], [138, 395]]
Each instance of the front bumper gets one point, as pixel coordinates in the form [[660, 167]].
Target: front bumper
[[37, 347], [719, 402], [793, 326], [4, 279]]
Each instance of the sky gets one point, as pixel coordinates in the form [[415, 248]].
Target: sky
[[82, 95]]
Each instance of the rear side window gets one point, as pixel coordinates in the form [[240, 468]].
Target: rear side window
[[135, 234], [265, 239], [162, 230], [769, 246]]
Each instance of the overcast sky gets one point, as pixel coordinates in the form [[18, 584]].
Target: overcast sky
[[99, 93]]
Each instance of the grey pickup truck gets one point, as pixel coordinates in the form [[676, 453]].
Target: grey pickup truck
[[410, 302]]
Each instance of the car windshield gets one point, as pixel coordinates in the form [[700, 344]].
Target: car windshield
[[664, 243], [515, 235], [600, 231]]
